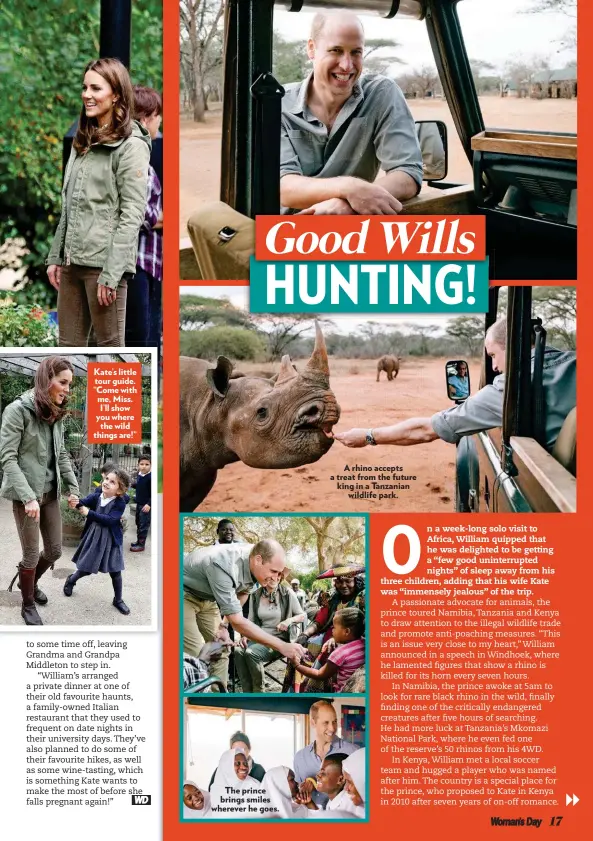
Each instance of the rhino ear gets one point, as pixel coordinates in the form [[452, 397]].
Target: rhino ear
[[218, 378], [287, 371]]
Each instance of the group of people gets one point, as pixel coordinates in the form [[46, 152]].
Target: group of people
[[233, 587], [327, 779], [105, 260], [37, 471]]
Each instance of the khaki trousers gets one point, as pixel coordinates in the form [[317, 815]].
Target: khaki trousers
[[79, 310], [201, 620]]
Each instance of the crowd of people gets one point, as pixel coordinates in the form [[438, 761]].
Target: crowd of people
[[327, 779], [237, 604]]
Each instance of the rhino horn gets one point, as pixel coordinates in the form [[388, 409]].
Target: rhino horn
[[318, 363], [287, 371]]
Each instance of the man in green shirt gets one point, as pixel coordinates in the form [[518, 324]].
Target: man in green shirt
[[217, 581]]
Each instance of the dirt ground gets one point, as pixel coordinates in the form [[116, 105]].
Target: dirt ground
[[418, 391], [200, 143]]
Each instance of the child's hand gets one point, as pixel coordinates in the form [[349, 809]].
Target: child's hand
[[83, 510], [146, 509]]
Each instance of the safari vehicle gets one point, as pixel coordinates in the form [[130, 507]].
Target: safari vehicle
[[508, 470], [524, 182]]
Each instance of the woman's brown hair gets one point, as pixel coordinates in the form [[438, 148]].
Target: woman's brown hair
[[45, 408], [118, 78]]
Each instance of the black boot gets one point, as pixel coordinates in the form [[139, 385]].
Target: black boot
[[42, 567], [27, 585]]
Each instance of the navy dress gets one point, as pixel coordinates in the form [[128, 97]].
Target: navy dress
[[100, 547]]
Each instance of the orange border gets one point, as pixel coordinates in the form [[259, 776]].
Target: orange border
[[571, 535]]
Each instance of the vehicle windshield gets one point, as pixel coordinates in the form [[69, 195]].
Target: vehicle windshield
[[523, 59]]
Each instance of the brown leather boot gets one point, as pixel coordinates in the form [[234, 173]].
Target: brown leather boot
[[42, 567], [27, 585]]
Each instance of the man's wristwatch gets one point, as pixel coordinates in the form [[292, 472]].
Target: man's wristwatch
[[370, 438]]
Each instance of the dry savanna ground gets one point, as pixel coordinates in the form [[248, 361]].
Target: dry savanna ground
[[418, 391], [200, 142]]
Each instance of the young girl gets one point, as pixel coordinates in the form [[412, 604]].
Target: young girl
[[349, 654], [100, 548]]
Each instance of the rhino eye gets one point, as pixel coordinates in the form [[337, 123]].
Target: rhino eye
[[262, 413]]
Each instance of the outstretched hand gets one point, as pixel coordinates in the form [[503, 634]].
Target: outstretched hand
[[352, 437]]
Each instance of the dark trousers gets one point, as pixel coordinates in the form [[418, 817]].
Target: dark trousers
[[142, 525], [143, 311]]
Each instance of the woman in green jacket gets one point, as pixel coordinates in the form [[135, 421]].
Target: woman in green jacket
[[36, 471], [103, 206]]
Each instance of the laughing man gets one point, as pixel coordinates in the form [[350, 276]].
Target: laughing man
[[339, 128]]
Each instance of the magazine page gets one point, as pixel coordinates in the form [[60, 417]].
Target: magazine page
[[288, 473]]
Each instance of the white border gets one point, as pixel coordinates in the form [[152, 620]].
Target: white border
[[155, 523]]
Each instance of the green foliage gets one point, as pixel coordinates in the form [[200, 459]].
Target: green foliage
[[290, 62], [45, 48], [469, 330], [12, 386], [195, 312], [234, 342], [23, 325], [312, 544]]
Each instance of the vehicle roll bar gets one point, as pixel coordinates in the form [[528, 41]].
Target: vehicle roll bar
[[384, 8]]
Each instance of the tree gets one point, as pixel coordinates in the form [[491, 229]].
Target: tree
[[485, 76], [469, 329], [197, 312], [289, 60], [312, 544], [45, 47], [337, 539], [420, 82], [283, 329], [380, 63], [565, 7], [522, 70], [201, 48], [557, 307]]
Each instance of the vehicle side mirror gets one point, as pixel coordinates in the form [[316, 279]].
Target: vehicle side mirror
[[432, 137], [457, 377]]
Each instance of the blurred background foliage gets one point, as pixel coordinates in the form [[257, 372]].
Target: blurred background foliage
[[43, 51]]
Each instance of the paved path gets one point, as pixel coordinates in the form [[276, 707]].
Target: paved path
[[90, 604]]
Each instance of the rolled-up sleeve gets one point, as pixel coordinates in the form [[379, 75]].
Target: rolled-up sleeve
[[289, 159], [223, 589], [477, 413], [396, 142]]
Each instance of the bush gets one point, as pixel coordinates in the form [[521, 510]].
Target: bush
[[233, 342], [23, 325], [45, 46]]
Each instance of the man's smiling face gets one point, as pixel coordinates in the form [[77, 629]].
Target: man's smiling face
[[337, 55]]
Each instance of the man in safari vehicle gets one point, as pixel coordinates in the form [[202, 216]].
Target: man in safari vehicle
[[484, 409], [339, 128]]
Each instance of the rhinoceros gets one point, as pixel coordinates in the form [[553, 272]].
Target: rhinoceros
[[271, 423], [389, 364]]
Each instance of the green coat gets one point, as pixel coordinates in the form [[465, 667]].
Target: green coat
[[99, 225], [23, 453]]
